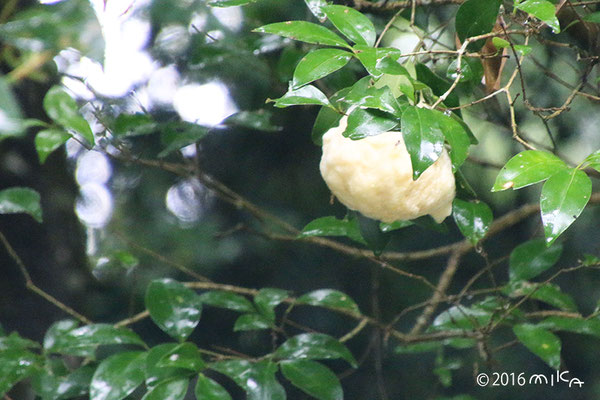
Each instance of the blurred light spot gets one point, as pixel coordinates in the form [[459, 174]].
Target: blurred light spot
[[198, 22], [94, 205], [163, 84], [187, 200], [50, 1], [173, 40], [93, 167], [230, 17], [206, 104]]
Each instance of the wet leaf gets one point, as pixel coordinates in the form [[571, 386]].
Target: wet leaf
[[329, 298], [472, 218], [548, 293], [19, 200], [267, 299], [371, 58], [259, 120], [576, 325], [304, 32], [307, 95], [313, 378], [531, 258], [251, 322], [118, 376], [368, 122], [423, 138], [331, 226], [15, 365], [318, 64], [527, 168], [354, 25], [207, 389], [257, 379], [541, 9], [227, 300], [314, 346], [173, 307], [185, 356], [563, 198], [474, 18], [327, 118], [172, 389]]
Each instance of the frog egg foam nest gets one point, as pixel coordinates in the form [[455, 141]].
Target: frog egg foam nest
[[374, 176]]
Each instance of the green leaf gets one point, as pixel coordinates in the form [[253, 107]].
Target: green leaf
[[172, 389], [185, 356], [367, 122], [230, 3], [541, 9], [64, 338], [329, 298], [127, 125], [474, 18], [118, 376], [259, 120], [527, 168], [327, 118], [304, 32], [14, 342], [307, 95], [354, 25], [207, 389], [523, 49], [257, 379], [227, 300], [314, 346], [593, 17], [548, 293], [173, 307], [313, 378], [158, 367], [399, 84], [531, 258], [49, 385], [472, 218], [593, 161], [15, 365], [252, 322], [563, 198], [61, 107], [576, 325], [316, 7], [464, 73], [11, 117], [500, 43], [385, 227], [48, 140], [318, 64], [540, 342], [18, 200], [462, 318], [423, 138], [176, 135], [371, 97], [457, 135], [376, 239], [371, 58], [438, 85], [331, 226], [267, 299]]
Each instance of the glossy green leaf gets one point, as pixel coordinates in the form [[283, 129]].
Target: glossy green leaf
[[376, 239], [11, 117], [543, 10], [371, 58], [230, 3], [456, 133], [368, 122], [500, 43], [227, 300], [257, 379], [593, 161], [531, 258], [314, 346], [307, 95], [371, 97], [393, 226], [207, 389], [259, 120], [318, 64], [464, 73], [61, 107], [177, 135], [118, 376], [522, 49], [127, 125], [527, 168], [267, 299], [172, 389], [399, 84], [563, 198], [472, 218], [15, 342], [329, 298], [423, 137], [173, 307], [304, 32], [354, 25], [540, 342], [331, 226], [548, 293], [15, 365], [185, 355], [463, 318], [327, 118], [158, 367], [313, 378], [576, 325], [474, 18], [316, 8], [79, 341], [252, 322], [19, 200], [48, 140], [49, 385]]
